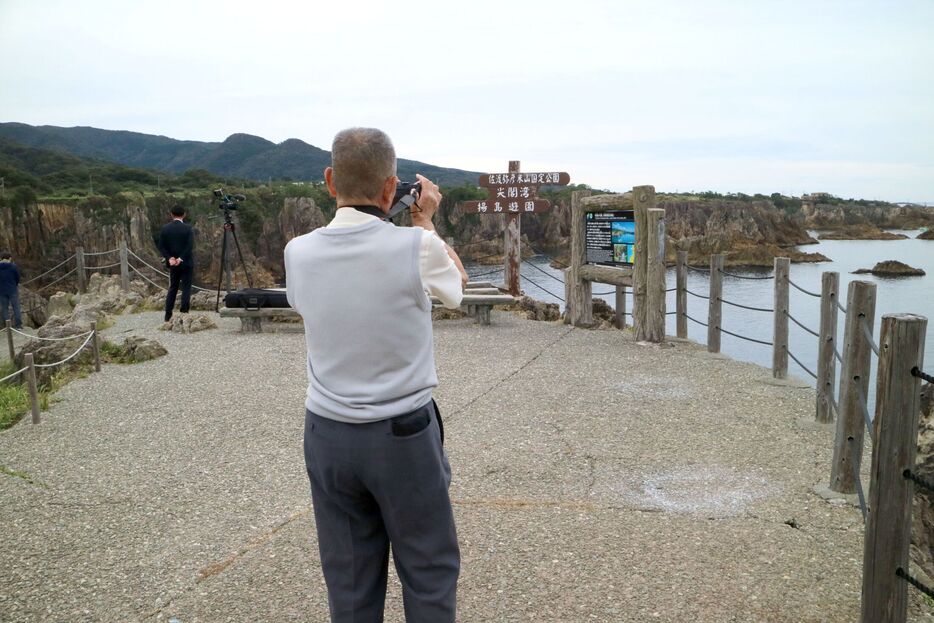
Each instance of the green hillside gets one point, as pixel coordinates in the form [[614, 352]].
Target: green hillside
[[240, 155]]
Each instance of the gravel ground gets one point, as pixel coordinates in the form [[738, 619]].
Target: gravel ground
[[595, 479]]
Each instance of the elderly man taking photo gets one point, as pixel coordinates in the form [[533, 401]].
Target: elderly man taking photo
[[373, 438]]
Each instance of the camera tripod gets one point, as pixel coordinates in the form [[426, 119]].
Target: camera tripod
[[229, 226]]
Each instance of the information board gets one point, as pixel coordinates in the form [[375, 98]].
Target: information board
[[611, 238]]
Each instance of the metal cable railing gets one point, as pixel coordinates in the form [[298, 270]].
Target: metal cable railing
[[797, 322], [797, 287], [758, 309], [735, 276], [801, 365]]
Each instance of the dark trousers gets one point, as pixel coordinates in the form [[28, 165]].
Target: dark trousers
[[5, 303], [178, 275], [377, 484]]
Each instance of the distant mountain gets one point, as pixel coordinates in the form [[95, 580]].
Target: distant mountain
[[240, 155]]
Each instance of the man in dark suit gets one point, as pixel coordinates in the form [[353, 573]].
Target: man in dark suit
[[176, 243]]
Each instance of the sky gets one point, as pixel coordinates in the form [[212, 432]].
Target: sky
[[741, 96]]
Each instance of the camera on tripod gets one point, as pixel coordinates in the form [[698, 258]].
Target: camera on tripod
[[228, 202]]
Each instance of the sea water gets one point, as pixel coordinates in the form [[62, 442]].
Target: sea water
[[893, 295]]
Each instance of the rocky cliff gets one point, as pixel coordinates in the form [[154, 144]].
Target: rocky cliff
[[749, 233], [844, 214]]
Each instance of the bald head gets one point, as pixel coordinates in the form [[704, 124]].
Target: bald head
[[362, 160]]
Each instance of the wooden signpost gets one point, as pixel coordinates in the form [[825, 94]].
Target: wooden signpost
[[513, 194]]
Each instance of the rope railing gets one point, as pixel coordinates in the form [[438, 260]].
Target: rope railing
[[164, 274], [68, 358], [51, 339], [741, 306], [698, 270], [92, 254], [136, 270], [147, 264], [735, 276], [10, 376], [801, 365], [102, 267], [743, 337], [52, 283], [799, 288], [56, 267], [840, 307], [700, 296], [797, 322]]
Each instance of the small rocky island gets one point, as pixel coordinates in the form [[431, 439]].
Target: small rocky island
[[862, 231], [927, 234], [891, 268]]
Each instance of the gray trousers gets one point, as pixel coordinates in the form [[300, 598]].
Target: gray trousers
[[377, 484]]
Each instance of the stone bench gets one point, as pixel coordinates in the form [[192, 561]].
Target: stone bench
[[479, 306]]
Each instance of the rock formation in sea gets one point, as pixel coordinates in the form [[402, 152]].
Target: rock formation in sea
[[891, 268]]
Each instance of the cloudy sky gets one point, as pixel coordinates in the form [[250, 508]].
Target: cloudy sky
[[749, 95]]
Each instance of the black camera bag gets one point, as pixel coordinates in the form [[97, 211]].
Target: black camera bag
[[256, 298]]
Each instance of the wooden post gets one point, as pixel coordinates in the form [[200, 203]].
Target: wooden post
[[715, 306], [681, 294], [620, 307], [9, 338], [888, 530], [654, 330], [95, 345], [33, 387], [827, 345], [643, 198], [780, 323], [124, 267], [580, 299], [512, 245], [854, 383], [82, 275]]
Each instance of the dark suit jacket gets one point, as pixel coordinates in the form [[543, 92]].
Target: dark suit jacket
[[177, 239]]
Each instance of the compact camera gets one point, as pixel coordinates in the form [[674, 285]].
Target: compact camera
[[407, 193]]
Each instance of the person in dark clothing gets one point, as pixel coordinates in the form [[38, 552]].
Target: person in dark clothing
[[176, 243], [9, 290]]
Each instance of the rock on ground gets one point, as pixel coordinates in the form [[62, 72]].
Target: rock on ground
[[189, 323], [33, 306], [136, 349]]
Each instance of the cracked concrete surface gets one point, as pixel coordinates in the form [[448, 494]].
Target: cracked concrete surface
[[594, 480]]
